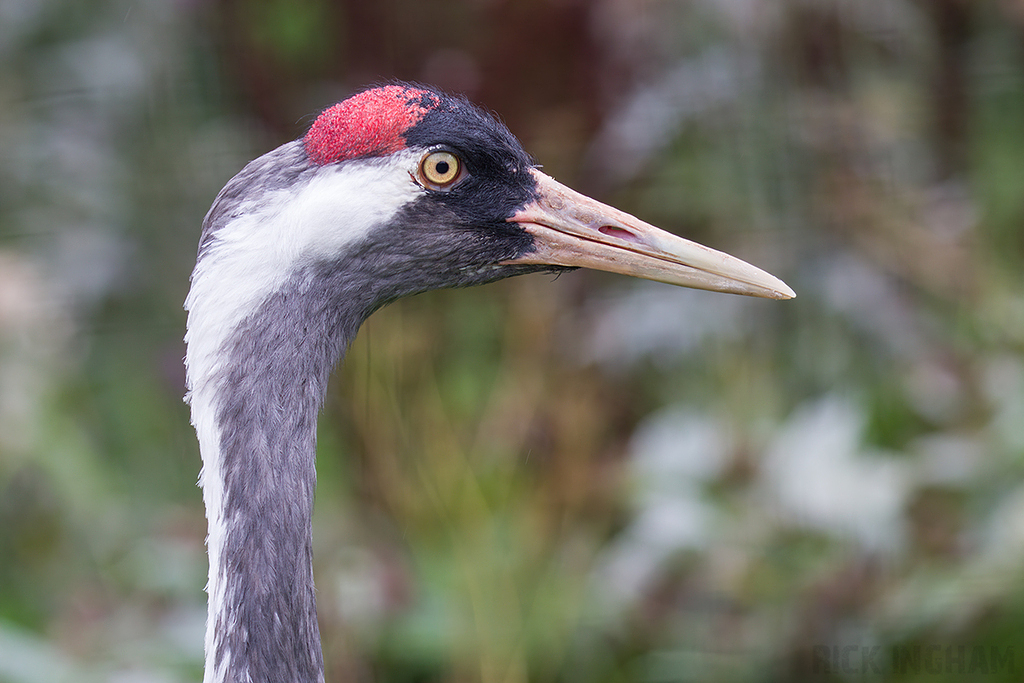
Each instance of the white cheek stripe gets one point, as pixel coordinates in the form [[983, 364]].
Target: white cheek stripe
[[249, 259]]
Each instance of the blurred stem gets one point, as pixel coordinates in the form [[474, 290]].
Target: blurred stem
[[953, 20]]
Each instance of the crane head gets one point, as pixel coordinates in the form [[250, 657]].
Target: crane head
[[472, 186], [401, 189]]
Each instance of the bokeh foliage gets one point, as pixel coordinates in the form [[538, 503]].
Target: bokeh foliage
[[583, 479]]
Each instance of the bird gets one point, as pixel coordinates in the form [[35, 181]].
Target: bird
[[399, 189]]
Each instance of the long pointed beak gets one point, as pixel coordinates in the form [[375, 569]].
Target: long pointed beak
[[571, 229]]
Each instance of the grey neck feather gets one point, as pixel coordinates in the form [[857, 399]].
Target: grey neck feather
[[272, 391], [278, 362]]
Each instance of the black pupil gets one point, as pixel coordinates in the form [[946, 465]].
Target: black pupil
[[441, 168]]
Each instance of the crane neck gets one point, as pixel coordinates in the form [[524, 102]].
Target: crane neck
[[255, 402], [281, 284]]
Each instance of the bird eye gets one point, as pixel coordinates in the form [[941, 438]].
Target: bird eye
[[438, 170]]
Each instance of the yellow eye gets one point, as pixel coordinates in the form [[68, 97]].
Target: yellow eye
[[440, 169]]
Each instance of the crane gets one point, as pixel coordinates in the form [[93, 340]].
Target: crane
[[397, 190]]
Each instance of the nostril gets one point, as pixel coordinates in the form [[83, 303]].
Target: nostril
[[620, 233]]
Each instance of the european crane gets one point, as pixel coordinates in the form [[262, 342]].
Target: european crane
[[394, 191]]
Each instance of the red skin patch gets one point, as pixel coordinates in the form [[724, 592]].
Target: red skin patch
[[371, 123]]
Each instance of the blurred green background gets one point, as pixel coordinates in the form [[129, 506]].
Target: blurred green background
[[586, 479]]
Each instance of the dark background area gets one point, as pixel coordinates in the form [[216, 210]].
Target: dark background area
[[587, 479]]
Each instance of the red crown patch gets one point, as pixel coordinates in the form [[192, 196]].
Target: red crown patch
[[371, 123]]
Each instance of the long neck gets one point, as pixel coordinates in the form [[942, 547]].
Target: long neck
[[255, 399], [271, 309]]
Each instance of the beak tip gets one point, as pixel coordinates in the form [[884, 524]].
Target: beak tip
[[774, 288]]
